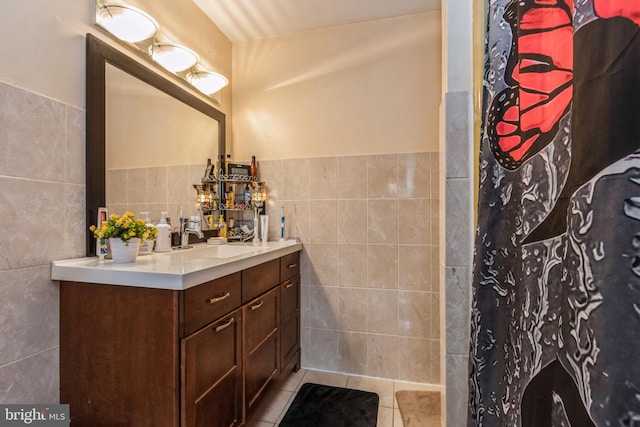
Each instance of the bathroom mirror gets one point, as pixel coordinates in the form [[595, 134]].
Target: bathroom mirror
[[122, 93]]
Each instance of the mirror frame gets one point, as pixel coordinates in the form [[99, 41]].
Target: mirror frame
[[99, 54]]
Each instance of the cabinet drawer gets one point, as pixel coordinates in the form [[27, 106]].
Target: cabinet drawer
[[260, 319], [289, 266], [289, 296], [259, 279], [211, 365], [208, 302]]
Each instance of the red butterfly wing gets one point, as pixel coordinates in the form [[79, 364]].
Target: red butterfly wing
[[524, 117]]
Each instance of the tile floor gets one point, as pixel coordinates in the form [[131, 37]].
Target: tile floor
[[275, 405]]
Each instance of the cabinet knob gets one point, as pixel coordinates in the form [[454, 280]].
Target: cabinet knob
[[292, 265], [218, 298], [288, 285], [257, 306], [225, 325]]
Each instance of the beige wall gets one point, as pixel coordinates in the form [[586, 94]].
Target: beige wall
[[368, 88], [43, 48]]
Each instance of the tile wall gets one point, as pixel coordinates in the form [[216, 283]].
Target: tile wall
[[457, 227], [42, 197], [370, 285]]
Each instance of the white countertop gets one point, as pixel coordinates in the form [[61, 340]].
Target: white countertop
[[178, 269]]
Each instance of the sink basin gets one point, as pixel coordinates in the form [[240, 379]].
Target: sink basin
[[225, 251], [213, 251]]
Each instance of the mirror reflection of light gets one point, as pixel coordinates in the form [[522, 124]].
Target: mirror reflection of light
[[126, 22], [207, 82], [173, 57]]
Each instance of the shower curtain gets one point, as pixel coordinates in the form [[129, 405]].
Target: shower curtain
[[555, 322]]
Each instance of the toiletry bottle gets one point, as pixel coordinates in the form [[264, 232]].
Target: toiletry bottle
[[264, 228], [163, 241], [230, 198], [214, 199], [254, 168], [222, 227], [101, 248], [247, 197], [147, 245]]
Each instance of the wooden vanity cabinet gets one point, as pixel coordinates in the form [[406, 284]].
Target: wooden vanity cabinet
[[202, 357]]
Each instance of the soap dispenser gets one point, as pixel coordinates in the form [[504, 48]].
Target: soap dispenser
[[163, 241], [222, 227]]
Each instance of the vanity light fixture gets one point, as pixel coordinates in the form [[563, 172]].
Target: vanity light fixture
[[126, 22], [135, 26], [207, 82], [173, 57]]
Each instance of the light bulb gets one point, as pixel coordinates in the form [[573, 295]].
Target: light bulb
[[126, 22], [207, 82]]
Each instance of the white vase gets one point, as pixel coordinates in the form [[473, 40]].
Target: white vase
[[123, 252]]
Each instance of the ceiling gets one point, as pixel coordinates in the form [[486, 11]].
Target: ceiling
[[243, 20]]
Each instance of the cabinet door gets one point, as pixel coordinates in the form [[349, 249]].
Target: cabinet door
[[290, 320], [261, 344], [211, 375]]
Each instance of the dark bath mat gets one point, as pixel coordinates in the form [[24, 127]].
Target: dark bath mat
[[318, 405]]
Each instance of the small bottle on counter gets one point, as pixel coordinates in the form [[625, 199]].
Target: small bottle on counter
[[222, 227], [163, 241]]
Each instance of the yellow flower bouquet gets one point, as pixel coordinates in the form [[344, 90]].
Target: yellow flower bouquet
[[124, 227]]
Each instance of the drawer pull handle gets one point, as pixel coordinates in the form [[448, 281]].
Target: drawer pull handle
[[218, 298], [257, 306], [288, 285], [292, 265], [225, 325]]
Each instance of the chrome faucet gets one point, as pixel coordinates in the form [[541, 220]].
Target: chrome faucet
[[189, 226]]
